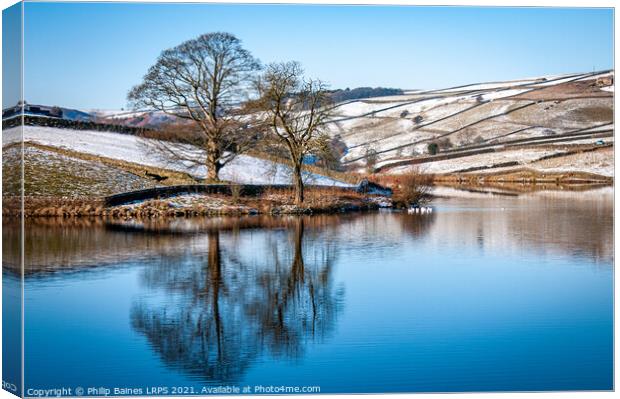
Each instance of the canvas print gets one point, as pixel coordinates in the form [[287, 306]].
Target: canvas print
[[245, 199]]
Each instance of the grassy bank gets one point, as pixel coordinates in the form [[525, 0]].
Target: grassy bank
[[318, 200]]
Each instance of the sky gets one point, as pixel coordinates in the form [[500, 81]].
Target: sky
[[89, 55], [11, 55]]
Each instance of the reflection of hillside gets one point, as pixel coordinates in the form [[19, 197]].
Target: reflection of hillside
[[52, 245], [11, 248], [201, 225], [56, 243], [72, 244], [11, 189], [567, 222], [512, 188], [576, 224], [225, 313]]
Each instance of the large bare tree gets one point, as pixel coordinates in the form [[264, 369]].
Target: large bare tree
[[296, 109], [202, 80]]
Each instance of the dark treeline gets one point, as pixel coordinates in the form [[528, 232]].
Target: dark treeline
[[32, 120], [363, 92]]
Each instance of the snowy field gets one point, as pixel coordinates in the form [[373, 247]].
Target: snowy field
[[464, 115], [522, 156], [599, 162], [243, 169]]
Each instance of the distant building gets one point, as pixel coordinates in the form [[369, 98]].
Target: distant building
[[30, 109]]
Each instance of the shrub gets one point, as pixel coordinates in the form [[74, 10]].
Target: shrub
[[445, 144], [235, 191], [371, 160], [433, 148], [413, 188]]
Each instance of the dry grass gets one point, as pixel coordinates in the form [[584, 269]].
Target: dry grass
[[413, 187], [53, 207], [563, 91], [273, 201], [598, 114], [172, 177]]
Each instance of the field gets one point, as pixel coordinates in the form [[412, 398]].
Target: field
[[518, 122], [546, 129], [130, 152]]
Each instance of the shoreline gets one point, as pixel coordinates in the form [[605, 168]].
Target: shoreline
[[194, 205], [271, 203]]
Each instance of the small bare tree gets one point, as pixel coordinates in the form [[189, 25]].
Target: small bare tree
[[371, 160], [296, 109], [413, 188], [202, 80]]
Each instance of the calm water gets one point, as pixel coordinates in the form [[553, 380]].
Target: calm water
[[495, 293]]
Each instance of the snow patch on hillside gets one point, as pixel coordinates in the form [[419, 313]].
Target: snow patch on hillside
[[243, 169], [488, 160]]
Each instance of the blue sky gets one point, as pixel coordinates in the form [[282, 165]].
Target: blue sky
[[89, 55], [11, 55]]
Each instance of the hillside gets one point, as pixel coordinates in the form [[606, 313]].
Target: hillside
[[70, 162], [521, 121], [482, 126], [552, 124]]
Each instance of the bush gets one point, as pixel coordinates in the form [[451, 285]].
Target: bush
[[445, 144], [371, 160], [235, 191], [433, 148], [413, 188]]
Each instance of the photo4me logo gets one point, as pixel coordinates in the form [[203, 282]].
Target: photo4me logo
[[273, 389]]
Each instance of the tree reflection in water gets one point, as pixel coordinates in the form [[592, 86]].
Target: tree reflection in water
[[221, 311], [417, 226]]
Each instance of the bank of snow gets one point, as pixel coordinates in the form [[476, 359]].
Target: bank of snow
[[243, 169], [480, 161]]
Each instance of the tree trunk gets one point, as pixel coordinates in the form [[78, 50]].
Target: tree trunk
[[299, 184], [213, 161], [298, 260], [215, 282]]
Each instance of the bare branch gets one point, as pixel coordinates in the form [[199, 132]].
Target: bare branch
[[202, 80], [295, 109]]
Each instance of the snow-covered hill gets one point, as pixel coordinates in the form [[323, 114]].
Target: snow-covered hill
[[551, 111], [398, 128], [145, 119], [124, 147]]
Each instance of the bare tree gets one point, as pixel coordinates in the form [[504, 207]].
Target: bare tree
[[371, 160], [202, 80], [296, 109], [413, 188]]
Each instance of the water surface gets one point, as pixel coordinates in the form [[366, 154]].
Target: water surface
[[485, 294]]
